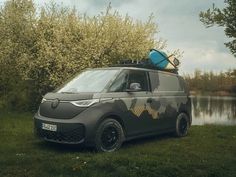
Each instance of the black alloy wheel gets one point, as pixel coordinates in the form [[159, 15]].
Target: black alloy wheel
[[109, 136], [182, 125]]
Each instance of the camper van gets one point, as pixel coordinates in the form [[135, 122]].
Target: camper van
[[104, 107]]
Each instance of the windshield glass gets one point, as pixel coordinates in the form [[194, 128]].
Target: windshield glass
[[89, 81]]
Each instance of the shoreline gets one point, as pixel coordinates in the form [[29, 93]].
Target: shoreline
[[213, 93]]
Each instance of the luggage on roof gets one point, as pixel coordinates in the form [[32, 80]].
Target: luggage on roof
[[157, 60], [161, 60]]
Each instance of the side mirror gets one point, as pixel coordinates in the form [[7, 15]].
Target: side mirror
[[134, 87]]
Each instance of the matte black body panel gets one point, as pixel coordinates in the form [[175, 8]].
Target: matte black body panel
[[64, 110]]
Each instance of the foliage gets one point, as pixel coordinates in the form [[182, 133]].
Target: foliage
[[42, 47], [223, 17], [208, 81]]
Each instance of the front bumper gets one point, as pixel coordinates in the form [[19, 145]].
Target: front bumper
[[66, 133]]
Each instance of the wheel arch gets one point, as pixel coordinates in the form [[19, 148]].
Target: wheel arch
[[115, 117], [188, 114], [184, 108]]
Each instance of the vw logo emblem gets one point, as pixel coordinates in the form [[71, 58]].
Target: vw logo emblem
[[55, 103]]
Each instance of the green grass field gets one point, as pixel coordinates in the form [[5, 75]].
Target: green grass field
[[206, 151]]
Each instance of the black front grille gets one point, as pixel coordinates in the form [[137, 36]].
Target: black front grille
[[70, 136]]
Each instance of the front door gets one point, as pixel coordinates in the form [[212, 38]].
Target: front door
[[138, 115]]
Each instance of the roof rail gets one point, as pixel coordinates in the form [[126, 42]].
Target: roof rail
[[142, 64]]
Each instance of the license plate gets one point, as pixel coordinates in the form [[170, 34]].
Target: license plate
[[49, 127]]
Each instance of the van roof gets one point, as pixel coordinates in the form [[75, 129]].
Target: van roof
[[139, 68]]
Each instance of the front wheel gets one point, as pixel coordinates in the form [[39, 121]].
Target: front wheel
[[182, 125], [109, 136]]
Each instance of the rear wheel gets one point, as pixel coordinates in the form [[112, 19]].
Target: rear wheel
[[182, 125], [109, 136]]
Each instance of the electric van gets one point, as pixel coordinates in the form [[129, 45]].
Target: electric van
[[103, 107]]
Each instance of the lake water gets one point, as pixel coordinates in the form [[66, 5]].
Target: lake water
[[213, 110]]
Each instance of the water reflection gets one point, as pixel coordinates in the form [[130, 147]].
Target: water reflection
[[213, 110]]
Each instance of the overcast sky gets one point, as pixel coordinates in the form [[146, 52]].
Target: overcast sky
[[178, 23]]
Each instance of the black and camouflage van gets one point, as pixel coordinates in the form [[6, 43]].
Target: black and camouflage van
[[104, 107]]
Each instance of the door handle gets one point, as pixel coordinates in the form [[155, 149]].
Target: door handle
[[149, 100]]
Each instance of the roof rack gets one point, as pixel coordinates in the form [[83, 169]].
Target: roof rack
[[142, 64]]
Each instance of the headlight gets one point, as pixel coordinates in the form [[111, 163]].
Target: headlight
[[85, 103], [43, 100]]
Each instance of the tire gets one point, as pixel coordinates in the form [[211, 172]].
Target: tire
[[182, 125], [109, 136]]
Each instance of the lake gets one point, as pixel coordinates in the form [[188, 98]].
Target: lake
[[213, 110]]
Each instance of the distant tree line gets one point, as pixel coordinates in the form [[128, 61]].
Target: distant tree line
[[40, 48], [211, 82]]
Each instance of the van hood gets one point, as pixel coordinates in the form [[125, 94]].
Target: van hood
[[69, 96], [64, 109]]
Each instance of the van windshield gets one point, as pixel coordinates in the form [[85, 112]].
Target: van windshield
[[89, 81]]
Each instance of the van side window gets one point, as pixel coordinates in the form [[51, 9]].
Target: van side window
[[165, 82], [136, 76], [154, 80], [120, 84], [123, 81]]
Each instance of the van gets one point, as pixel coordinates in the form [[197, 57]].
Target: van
[[103, 107]]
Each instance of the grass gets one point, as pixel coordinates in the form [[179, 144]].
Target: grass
[[207, 151]]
